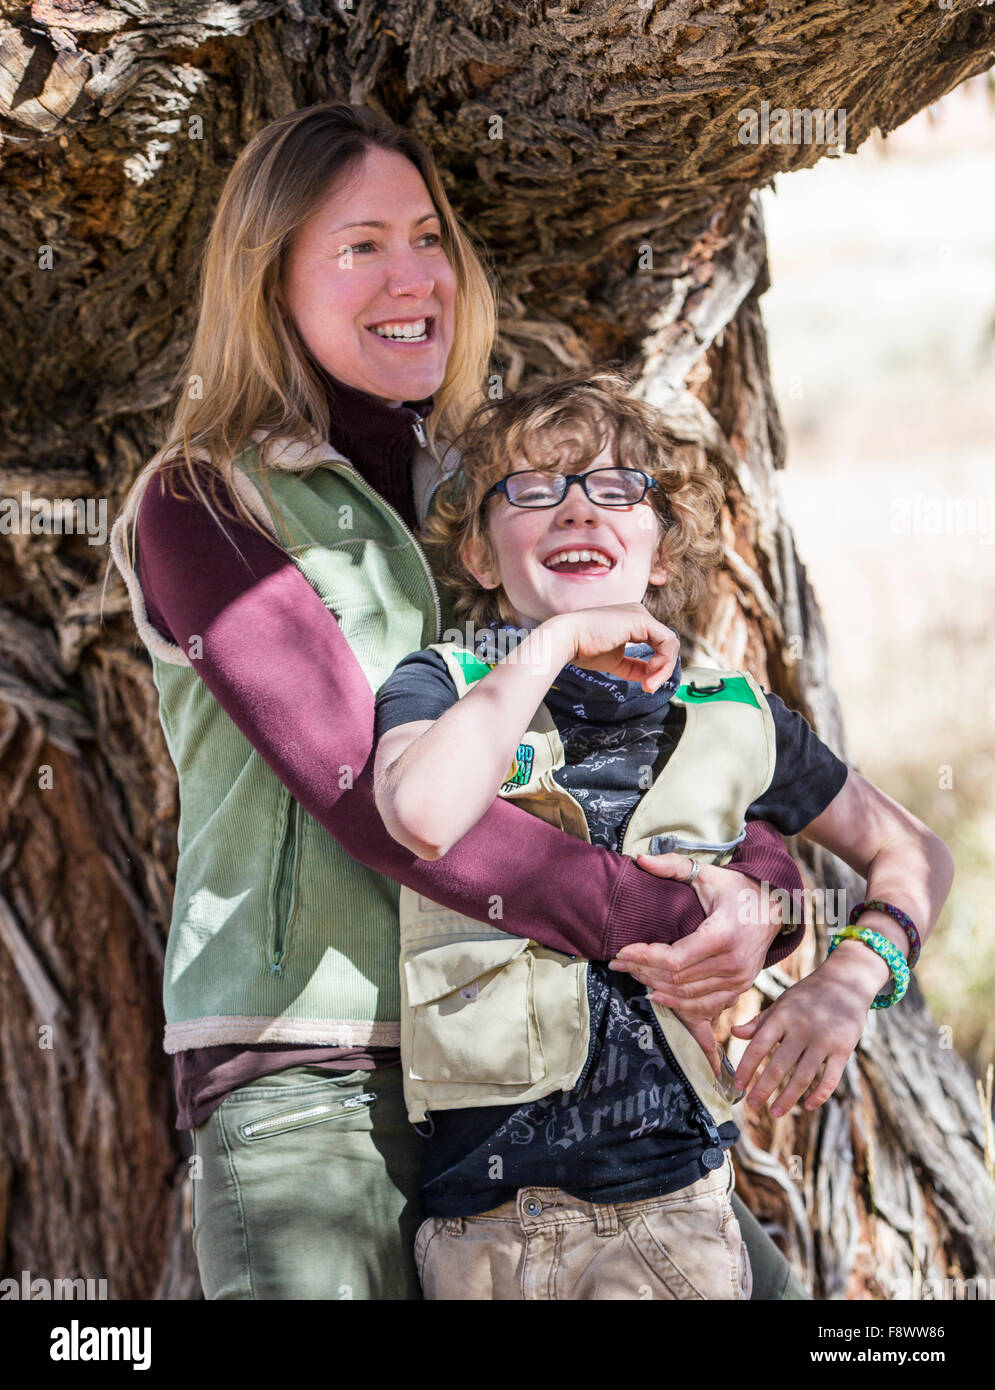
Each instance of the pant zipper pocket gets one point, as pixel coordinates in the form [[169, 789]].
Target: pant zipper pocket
[[305, 1115]]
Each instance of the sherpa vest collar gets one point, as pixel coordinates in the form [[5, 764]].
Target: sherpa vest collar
[[277, 935], [489, 1019]]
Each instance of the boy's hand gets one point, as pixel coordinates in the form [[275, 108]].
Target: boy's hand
[[814, 1026], [597, 638], [707, 971], [703, 1032]]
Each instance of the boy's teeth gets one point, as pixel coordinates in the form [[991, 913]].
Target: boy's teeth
[[572, 556], [400, 330]]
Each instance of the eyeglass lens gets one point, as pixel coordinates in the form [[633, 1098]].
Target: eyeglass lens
[[607, 487]]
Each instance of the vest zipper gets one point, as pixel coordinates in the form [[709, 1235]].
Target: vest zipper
[[372, 492], [583, 1083], [712, 1157], [623, 826], [419, 430], [284, 890]]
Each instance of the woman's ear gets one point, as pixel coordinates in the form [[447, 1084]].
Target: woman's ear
[[476, 556]]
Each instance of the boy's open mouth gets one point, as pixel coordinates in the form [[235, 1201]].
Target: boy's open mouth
[[579, 560]]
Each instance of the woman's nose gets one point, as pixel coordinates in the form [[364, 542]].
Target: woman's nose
[[419, 287], [408, 275]]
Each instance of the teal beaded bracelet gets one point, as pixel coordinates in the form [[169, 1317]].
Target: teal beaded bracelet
[[888, 952]]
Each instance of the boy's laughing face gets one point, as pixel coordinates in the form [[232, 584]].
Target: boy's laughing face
[[575, 555]]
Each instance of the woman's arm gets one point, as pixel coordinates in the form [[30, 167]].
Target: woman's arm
[[816, 1024], [278, 664]]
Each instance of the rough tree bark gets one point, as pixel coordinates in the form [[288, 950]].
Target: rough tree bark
[[594, 148]]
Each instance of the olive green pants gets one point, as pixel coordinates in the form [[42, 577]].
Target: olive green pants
[[306, 1188], [773, 1278]]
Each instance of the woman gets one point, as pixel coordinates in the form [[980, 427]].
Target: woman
[[345, 325]]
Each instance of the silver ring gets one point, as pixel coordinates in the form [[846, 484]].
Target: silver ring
[[695, 870]]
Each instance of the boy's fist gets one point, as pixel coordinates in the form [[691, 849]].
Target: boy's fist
[[597, 638]]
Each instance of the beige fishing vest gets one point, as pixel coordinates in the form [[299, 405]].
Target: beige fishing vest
[[492, 1019]]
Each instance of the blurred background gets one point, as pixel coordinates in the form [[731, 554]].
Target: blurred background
[[881, 321]]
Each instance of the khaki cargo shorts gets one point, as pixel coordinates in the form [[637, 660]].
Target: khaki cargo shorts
[[546, 1244]]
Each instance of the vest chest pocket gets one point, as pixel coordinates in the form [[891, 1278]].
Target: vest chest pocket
[[472, 1012]]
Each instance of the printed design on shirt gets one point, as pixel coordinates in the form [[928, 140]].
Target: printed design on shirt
[[603, 770], [631, 1092], [604, 743], [520, 772]]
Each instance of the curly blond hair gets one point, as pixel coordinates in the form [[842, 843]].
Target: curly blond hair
[[585, 409]]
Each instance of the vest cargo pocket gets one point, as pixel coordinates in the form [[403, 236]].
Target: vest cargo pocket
[[473, 1013]]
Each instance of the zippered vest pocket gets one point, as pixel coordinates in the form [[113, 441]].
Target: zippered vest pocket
[[283, 884], [473, 1014], [682, 844]]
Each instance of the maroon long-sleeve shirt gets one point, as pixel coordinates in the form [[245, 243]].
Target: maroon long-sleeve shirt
[[298, 695]]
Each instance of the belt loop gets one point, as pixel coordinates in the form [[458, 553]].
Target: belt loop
[[605, 1219], [455, 1226]]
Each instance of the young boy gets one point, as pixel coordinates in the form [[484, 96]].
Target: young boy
[[578, 1142]]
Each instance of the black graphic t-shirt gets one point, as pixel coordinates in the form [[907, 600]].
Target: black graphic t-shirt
[[631, 1128]]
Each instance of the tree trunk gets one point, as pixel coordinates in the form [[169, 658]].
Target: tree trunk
[[596, 150]]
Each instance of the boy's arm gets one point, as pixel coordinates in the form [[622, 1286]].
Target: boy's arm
[[904, 864], [434, 780], [817, 1023]]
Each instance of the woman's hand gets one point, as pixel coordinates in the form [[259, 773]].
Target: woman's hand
[[597, 638], [707, 971], [812, 1028]]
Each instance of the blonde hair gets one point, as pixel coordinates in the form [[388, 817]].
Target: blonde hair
[[588, 409], [251, 367]]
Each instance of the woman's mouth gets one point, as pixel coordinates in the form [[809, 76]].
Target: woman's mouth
[[404, 332], [580, 560]]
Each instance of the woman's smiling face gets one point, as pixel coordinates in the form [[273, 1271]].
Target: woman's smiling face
[[531, 549], [372, 258]]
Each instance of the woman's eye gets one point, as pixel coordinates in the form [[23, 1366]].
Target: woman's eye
[[370, 245]]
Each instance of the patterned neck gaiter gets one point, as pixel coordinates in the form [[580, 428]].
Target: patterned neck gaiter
[[604, 699]]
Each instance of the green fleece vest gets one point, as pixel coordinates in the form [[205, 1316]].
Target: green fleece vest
[[491, 1019], [277, 935]]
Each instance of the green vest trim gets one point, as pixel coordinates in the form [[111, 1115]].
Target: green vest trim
[[489, 1019], [735, 688], [470, 665]]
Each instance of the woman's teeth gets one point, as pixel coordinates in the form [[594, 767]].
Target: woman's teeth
[[563, 557], [408, 332]]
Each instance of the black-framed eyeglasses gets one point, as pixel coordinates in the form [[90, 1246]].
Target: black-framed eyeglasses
[[605, 487]]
